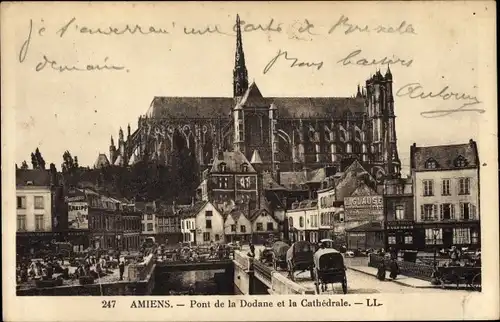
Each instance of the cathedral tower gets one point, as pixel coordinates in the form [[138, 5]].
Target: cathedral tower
[[240, 73], [380, 103]]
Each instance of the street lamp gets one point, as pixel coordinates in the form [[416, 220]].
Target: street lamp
[[435, 232]]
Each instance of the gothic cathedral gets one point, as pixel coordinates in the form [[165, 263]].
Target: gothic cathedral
[[285, 133]]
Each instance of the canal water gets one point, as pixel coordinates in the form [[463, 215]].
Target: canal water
[[207, 282]]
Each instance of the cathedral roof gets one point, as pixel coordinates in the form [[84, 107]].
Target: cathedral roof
[[253, 97], [190, 107], [288, 107], [101, 161]]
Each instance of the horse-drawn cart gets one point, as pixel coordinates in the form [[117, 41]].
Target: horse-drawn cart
[[329, 268], [299, 257], [279, 255], [470, 276]]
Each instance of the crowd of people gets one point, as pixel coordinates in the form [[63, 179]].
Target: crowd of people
[[54, 267]]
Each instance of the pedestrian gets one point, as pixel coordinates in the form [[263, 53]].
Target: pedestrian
[[122, 269], [381, 271], [394, 269]]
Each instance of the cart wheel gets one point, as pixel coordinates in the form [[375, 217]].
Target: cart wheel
[[476, 282], [344, 285]]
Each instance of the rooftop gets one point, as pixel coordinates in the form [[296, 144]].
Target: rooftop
[[444, 157]]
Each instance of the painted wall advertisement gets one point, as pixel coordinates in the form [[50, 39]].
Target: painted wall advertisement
[[364, 208], [78, 213]]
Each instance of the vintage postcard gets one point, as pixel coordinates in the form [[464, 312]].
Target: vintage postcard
[[249, 161]]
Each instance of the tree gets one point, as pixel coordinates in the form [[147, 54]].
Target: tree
[[39, 159], [34, 161], [24, 165], [75, 163], [68, 162]]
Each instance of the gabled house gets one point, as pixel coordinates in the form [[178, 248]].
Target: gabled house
[[237, 227], [209, 223], [264, 225]]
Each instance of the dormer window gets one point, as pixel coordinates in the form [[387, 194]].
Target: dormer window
[[222, 167], [431, 164], [460, 162], [244, 167]]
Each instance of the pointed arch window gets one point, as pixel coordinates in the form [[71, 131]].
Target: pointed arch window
[[460, 162], [431, 164]]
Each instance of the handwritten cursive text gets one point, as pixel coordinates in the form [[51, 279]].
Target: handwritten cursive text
[[70, 68], [348, 28], [294, 62], [361, 61], [110, 30], [416, 91]]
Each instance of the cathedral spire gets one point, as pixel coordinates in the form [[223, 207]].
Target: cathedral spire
[[240, 74], [112, 141], [358, 94]]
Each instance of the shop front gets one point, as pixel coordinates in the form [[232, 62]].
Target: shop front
[[399, 234], [430, 236]]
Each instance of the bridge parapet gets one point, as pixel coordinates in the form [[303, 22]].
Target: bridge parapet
[[281, 285], [141, 271], [243, 261]]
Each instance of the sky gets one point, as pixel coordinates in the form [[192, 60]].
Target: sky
[[80, 110]]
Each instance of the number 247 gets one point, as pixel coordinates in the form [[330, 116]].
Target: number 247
[[108, 304]]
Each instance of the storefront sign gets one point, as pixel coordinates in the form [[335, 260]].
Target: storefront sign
[[373, 202], [78, 215], [38, 234], [367, 214], [76, 198], [357, 234], [400, 225]]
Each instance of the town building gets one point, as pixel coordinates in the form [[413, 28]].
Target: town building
[[264, 226], [330, 211], [446, 195], [237, 227], [232, 180], [149, 220], [364, 215], [188, 228], [208, 223], [303, 221], [169, 225], [113, 225], [34, 209], [398, 211]]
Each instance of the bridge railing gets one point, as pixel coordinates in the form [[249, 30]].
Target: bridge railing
[[263, 270], [421, 271], [243, 260]]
